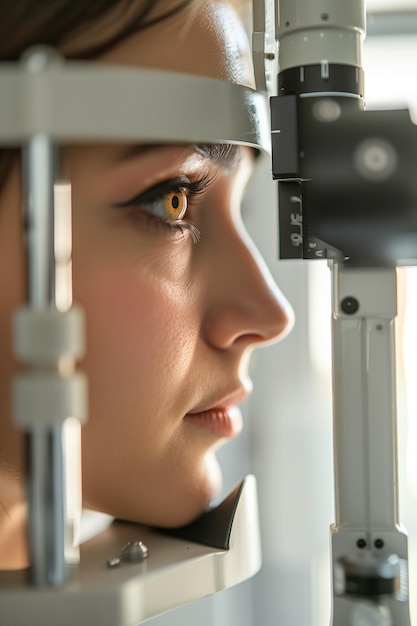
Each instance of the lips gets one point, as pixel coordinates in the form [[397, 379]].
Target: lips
[[222, 418], [222, 421]]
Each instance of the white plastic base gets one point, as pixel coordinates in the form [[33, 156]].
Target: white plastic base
[[176, 572]]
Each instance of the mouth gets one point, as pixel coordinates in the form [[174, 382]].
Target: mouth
[[222, 421]]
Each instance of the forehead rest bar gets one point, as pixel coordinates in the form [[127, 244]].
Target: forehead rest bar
[[90, 102]]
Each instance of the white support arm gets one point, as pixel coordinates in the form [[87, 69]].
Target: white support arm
[[369, 547]]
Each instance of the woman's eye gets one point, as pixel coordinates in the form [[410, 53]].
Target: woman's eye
[[172, 206], [164, 201], [166, 204]]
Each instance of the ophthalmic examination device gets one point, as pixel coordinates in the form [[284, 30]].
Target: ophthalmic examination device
[[346, 193]]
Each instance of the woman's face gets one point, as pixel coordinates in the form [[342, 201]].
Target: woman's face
[[170, 322]]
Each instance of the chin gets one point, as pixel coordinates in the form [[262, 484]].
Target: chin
[[193, 503], [169, 502]]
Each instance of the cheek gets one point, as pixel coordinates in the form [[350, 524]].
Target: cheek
[[141, 341], [140, 335]]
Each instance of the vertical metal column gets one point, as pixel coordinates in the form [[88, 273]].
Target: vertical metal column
[[48, 339], [370, 569], [46, 485]]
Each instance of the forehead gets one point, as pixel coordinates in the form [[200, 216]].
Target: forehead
[[205, 38]]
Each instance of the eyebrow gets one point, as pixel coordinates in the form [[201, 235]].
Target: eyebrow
[[225, 155]]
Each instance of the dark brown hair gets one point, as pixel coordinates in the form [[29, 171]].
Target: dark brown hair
[[25, 23]]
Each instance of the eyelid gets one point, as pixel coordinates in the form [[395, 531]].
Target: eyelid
[[156, 194], [157, 191]]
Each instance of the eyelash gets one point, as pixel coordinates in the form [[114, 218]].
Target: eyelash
[[160, 192]]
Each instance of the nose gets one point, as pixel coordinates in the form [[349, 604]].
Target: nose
[[245, 305]]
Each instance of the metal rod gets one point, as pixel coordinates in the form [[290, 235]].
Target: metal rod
[[46, 487]]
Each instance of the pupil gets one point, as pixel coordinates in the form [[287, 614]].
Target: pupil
[[175, 202]]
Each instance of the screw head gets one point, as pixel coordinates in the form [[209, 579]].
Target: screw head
[[134, 552], [349, 305]]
